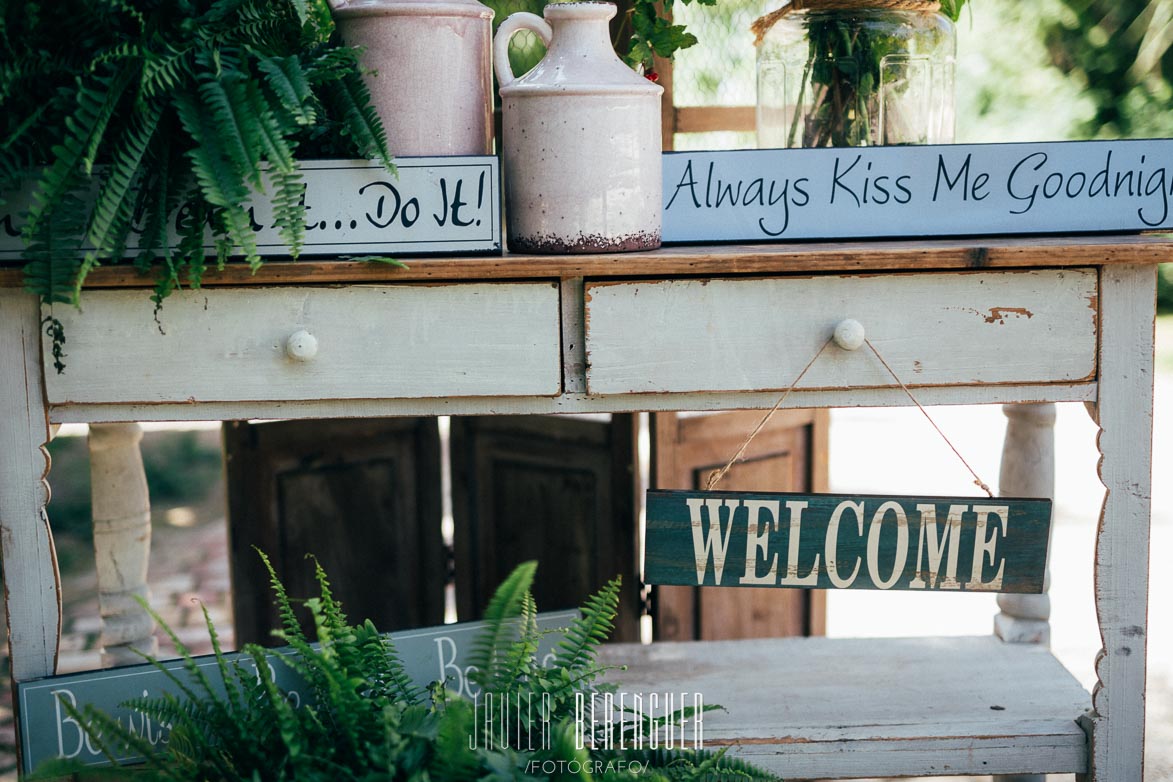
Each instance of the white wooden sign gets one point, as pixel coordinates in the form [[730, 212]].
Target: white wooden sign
[[965, 190], [434, 205]]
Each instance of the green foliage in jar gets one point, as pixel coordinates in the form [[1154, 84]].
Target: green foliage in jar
[[844, 72]]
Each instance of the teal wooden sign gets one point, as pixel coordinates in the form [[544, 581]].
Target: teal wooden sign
[[47, 731], [828, 541]]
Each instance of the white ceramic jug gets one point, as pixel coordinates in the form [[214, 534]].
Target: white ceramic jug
[[432, 82], [581, 138]]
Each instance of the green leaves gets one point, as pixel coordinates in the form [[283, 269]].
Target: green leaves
[[653, 35], [577, 649], [285, 77], [952, 8]]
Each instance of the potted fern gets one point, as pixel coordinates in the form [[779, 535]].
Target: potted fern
[[157, 120], [367, 720]]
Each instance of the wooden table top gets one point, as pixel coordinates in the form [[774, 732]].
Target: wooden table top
[[702, 261]]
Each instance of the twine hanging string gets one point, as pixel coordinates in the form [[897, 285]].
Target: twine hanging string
[[716, 476], [763, 25]]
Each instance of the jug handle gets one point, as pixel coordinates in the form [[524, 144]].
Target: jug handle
[[522, 20]]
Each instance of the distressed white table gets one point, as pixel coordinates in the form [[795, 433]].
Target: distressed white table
[[1018, 322]]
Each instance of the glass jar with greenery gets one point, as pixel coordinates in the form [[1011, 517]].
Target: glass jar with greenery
[[854, 73]]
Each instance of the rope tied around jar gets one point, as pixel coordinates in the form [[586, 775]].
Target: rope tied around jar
[[763, 25]]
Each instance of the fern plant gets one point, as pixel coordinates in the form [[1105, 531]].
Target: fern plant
[[158, 119], [364, 719]]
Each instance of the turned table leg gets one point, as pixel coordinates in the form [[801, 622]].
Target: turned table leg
[[122, 542], [1028, 470]]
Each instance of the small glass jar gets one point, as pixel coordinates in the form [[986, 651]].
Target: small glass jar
[[856, 78]]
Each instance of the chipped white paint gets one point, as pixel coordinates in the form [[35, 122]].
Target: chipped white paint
[[1124, 413], [373, 342], [122, 542], [573, 336], [569, 403], [840, 708], [32, 588], [758, 334], [846, 708]]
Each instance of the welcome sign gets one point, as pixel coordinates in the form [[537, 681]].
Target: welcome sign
[[827, 541], [908, 191], [47, 731]]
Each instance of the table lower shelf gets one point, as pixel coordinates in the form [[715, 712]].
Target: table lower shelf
[[848, 708]]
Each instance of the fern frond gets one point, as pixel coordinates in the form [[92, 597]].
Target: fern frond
[[267, 130], [451, 759], [288, 210], [53, 249], [158, 199], [109, 739], [102, 100], [330, 63], [277, 704], [224, 100], [125, 50], [109, 8], [505, 605], [111, 215], [351, 103], [220, 183], [213, 699], [335, 620], [289, 624], [694, 765], [285, 77], [163, 72], [577, 649], [519, 657], [84, 132], [382, 657]]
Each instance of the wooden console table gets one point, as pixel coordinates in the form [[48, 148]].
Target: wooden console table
[[994, 321]]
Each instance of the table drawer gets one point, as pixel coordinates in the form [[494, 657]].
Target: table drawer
[[758, 334], [372, 342]]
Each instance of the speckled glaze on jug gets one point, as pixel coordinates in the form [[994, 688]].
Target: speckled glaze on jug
[[581, 139], [433, 79]]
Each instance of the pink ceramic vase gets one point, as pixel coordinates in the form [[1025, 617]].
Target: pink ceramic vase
[[432, 80]]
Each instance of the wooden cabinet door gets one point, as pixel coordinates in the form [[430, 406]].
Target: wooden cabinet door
[[555, 489], [363, 496], [789, 454]]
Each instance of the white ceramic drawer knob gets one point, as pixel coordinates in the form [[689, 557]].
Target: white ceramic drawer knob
[[849, 334], [301, 346]]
